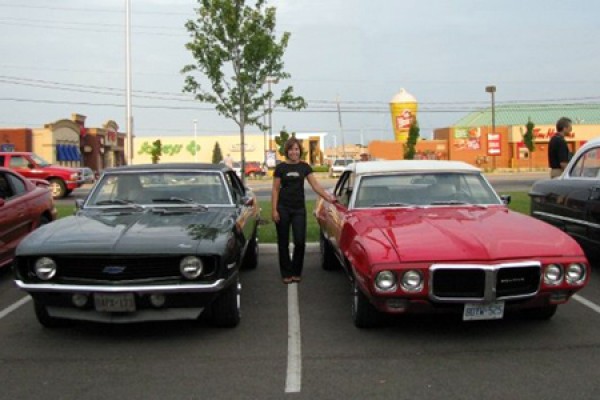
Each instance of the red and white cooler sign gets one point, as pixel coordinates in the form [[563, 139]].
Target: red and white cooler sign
[[494, 148]]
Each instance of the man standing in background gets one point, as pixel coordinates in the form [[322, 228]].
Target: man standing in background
[[558, 151]]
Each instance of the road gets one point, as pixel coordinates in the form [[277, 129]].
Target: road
[[502, 182], [314, 354]]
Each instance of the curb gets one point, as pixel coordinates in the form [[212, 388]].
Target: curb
[[271, 248]]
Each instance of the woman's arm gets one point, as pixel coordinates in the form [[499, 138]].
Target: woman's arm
[[275, 199], [318, 189]]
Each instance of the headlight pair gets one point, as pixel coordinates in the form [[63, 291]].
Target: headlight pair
[[411, 280], [573, 274]]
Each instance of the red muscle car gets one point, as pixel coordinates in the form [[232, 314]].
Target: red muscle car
[[428, 236], [24, 205]]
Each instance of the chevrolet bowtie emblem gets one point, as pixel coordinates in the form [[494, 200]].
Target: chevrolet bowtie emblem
[[114, 269]]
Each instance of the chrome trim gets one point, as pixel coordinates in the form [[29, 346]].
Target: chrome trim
[[491, 273], [181, 288], [567, 219], [166, 314]]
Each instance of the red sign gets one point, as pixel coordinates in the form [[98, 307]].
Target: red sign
[[404, 120], [494, 148]]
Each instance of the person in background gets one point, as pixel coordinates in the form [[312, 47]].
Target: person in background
[[228, 160], [558, 151], [289, 208], [364, 157]]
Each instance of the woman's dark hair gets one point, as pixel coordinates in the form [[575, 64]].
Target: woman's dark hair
[[288, 145], [562, 124]]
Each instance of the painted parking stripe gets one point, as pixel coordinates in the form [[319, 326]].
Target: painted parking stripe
[[586, 303], [14, 306], [293, 380]]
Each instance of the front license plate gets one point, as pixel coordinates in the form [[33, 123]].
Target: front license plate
[[122, 302], [480, 311]]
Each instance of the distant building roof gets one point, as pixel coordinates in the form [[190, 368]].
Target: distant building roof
[[540, 114]]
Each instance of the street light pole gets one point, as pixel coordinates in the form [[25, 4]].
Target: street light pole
[[129, 117], [269, 81], [195, 140], [492, 89]]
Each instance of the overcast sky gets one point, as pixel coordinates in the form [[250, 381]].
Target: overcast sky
[[64, 57]]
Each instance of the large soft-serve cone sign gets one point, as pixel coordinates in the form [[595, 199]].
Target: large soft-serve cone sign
[[403, 107]]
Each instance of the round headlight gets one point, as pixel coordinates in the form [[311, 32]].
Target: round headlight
[[45, 268], [553, 274], [412, 281], [191, 267], [385, 280], [575, 273]]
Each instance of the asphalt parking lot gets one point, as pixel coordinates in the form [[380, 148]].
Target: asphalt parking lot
[[299, 341]]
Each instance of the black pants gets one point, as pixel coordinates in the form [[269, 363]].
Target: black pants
[[296, 218]]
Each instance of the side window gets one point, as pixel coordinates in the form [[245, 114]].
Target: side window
[[343, 189], [18, 162], [588, 164], [2, 161], [5, 189], [17, 184], [235, 186]]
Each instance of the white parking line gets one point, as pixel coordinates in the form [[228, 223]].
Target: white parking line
[[14, 306], [586, 303], [293, 380]]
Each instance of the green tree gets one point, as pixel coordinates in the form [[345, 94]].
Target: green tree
[[217, 155], [528, 139], [156, 151], [235, 49], [280, 141], [411, 141]]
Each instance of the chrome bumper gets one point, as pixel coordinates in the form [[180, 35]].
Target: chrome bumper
[[182, 288]]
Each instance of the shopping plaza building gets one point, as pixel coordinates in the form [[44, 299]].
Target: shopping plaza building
[[69, 142]]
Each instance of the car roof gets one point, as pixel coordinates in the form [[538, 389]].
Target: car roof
[[169, 166], [373, 167]]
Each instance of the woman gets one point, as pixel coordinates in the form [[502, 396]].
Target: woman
[[289, 208]]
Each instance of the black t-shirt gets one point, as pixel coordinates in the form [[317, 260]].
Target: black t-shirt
[[291, 192], [558, 151]]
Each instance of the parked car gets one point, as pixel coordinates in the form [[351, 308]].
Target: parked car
[[150, 242], [571, 202], [252, 168], [338, 166], [63, 180], [87, 175], [24, 206], [429, 236]]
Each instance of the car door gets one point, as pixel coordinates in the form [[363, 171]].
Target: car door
[[246, 211], [587, 169], [338, 210], [15, 222]]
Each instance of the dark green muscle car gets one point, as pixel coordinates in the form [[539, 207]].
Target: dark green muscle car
[[150, 242]]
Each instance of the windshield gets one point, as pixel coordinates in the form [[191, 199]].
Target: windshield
[[435, 188], [160, 188], [40, 161], [342, 162]]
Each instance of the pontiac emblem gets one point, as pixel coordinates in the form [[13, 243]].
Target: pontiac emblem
[[114, 269]]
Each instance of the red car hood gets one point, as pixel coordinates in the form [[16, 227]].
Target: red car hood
[[467, 233]]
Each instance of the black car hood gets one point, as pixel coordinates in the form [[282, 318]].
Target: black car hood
[[178, 231]]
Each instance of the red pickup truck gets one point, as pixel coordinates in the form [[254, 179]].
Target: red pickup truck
[[63, 180]]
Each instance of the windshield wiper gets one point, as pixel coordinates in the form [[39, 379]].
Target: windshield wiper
[[397, 204], [119, 202], [180, 200]]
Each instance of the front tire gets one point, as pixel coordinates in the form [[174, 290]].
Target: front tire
[[364, 314], [251, 256], [328, 260], [226, 307], [58, 188]]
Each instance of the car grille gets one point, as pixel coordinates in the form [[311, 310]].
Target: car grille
[[118, 269], [484, 282]]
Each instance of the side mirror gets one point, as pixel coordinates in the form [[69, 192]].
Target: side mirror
[[78, 204], [505, 198], [248, 201]]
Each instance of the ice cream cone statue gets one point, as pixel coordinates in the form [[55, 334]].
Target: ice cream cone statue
[[403, 107]]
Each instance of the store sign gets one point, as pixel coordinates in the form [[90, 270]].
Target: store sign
[[540, 135], [494, 148], [247, 147]]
